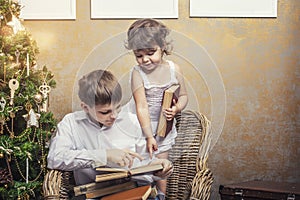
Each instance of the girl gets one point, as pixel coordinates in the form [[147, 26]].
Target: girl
[[152, 75]]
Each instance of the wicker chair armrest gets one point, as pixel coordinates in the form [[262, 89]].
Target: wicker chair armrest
[[58, 185]]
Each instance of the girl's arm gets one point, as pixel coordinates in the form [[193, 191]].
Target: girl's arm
[[183, 97], [142, 110], [141, 104]]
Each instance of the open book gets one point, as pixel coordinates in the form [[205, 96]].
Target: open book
[[117, 173], [164, 126]]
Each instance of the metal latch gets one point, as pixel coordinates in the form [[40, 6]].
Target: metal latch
[[291, 197], [238, 192]]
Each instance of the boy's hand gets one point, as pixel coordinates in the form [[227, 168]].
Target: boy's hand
[[122, 157], [167, 168], [151, 145]]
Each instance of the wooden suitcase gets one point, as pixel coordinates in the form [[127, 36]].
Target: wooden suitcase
[[260, 190]]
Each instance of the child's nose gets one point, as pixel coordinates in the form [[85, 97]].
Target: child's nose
[[145, 59], [114, 114]]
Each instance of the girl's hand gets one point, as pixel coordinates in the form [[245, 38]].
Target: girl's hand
[[171, 112], [151, 145]]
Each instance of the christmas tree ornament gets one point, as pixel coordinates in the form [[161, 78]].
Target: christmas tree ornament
[[34, 65], [2, 104], [13, 6], [17, 53], [38, 98], [45, 90], [10, 57], [6, 31], [15, 24], [27, 64], [32, 117], [27, 170], [13, 86]]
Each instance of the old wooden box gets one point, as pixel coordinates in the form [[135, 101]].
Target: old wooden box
[[260, 190]]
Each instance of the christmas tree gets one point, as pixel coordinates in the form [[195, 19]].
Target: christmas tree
[[25, 122]]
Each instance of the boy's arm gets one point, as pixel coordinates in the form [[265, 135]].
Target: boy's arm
[[64, 155], [62, 158]]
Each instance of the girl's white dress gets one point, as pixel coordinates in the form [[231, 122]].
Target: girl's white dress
[[154, 95]]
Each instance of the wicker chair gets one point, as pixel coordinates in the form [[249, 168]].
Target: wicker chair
[[191, 178], [58, 185]]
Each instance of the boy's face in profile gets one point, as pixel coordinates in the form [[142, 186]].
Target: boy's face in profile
[[104, 114]]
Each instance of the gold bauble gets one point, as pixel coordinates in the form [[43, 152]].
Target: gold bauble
[[38, 98], [11, 58], [6, 31], [1, 155]]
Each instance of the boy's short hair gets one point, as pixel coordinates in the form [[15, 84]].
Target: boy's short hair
[[99, 87]]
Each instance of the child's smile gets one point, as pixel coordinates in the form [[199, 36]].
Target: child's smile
[[149, 59]]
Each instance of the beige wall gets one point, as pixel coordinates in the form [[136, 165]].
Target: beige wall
[[256, 60]]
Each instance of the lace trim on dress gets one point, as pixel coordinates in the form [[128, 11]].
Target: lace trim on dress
[[147, 84]]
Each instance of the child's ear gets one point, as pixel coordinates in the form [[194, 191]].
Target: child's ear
[[85, 107]]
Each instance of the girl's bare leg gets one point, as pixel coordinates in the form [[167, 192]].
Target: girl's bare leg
[[162, 184]]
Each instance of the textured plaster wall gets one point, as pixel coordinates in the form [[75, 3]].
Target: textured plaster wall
[[256, 58]]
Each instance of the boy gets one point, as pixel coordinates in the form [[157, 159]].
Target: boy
[[91, 138]]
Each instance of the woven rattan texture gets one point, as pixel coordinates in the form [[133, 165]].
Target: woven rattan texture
[[184, 155], [58, 185]]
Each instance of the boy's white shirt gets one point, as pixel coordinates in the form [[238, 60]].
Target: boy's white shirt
[[80, 143]]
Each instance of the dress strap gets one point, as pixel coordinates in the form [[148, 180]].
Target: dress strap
[[172, 71], [143, 75]]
